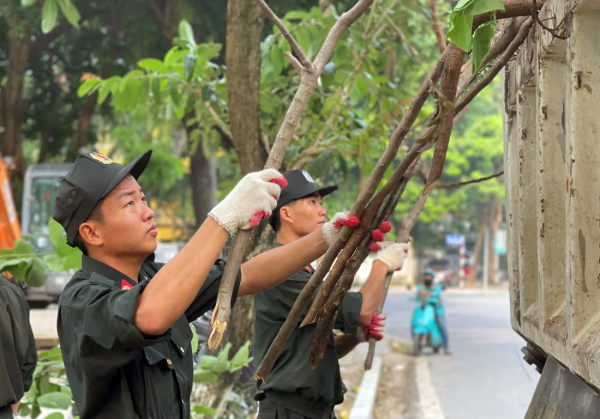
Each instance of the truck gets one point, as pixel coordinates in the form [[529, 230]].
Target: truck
[[552, 177]]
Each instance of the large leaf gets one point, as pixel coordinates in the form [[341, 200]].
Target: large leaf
[[204, 376], [240, 359], [55, 415], [187, 34], [481, 44], [70, 12], [56, 233], [49, 15], [189, 62], [108, 86], [153, 64], [36, 274], [88, 86], [478, 7], [55, 400], [461, 27]]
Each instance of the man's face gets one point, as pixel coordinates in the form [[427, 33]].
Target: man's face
[[427, 277], [307, 215], [128, 228]]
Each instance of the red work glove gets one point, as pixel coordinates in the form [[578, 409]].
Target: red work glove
[[333, 227], [375, 328]]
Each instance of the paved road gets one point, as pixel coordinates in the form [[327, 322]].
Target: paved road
[[486, 377]]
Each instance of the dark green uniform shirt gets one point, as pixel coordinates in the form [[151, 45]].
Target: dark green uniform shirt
[[114, 370], [292, 372], [18, 355]]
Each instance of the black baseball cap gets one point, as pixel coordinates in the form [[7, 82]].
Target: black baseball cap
[[90, 179], [300, 185]]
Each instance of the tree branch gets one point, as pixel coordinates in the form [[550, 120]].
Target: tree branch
[[513, 8], [286, 34], [42, 42], [437, 26], [294, 62], [308, 82], [458, 184]]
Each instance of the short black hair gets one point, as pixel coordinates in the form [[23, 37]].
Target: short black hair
[[276, 217], [96, 215]]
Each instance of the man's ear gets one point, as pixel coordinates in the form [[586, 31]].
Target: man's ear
[[285, 214], [89, 233]]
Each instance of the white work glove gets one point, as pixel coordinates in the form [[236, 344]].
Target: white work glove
[[253, 199], [333, 227], [393, 256]]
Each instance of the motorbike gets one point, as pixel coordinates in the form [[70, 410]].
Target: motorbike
[[424, 329]]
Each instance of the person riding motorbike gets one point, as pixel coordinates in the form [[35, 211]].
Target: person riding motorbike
[[433, 293]]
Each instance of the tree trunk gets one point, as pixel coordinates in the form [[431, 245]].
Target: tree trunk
[[44, 146], [204, 184], [80, 136], [12, 105], [476, 256], [244, 26]]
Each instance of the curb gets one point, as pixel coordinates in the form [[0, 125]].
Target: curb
[[365, 399], [429, 405]]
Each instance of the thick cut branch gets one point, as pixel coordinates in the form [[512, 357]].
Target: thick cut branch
[[447, 94], [308, 82], [329, 310], [457, 184], [309, 289], [286, 34]]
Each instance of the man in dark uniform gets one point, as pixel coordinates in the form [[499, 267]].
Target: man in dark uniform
[[18, 356], [123, 319], [294, 390]]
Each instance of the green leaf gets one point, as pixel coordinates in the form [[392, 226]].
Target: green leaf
[[56, 233], [203, 410], [189, 62], [224, 354], [49, 15], [463, 4], [479, 7], [460, 30], [207, 361], [27, 3], [70, 12], [175, 56], [156, 91], [153, 64], [481, 44], [54, 262], [203, 376], [55, 400], [276, 59], [221, 366], [20, 271], [24, 410], [194, 339], [55, 415], [73, 260], [87, 87], [296, 14], [186, 33], [36, 274], [108, 87], [240, 359], [174, 92]]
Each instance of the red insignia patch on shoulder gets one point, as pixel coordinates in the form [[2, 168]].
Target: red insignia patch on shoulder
[[125, 285]]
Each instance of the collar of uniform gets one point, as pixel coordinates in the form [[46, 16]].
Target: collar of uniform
[[92, 265]]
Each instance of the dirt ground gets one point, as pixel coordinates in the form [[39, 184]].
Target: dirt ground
[[394, 394]]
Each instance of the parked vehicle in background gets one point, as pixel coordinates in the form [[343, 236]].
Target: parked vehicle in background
[[39, 193], [446, 271]]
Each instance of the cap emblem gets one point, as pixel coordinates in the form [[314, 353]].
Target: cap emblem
[[101, 158], [307, 176]]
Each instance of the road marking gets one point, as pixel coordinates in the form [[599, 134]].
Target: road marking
[[429, 405], [365, 399]]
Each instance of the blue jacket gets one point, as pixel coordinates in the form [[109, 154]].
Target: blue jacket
[[435, 298]]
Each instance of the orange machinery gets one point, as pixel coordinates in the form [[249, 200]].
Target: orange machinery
[[10, 229]]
